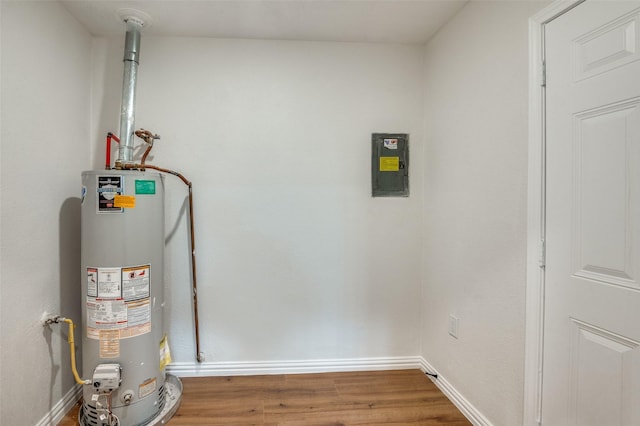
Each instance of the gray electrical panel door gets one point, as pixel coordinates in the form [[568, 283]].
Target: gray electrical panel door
[[390, 164]]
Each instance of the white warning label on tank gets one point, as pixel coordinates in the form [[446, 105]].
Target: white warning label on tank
[[92, 282], [118, 300], [147, 388], [127, 319], [106, 314], [109, 283], [139, 318], [135, 282]]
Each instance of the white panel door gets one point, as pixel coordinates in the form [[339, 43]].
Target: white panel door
[[591, 364]]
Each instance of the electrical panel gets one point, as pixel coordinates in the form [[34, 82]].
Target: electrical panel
[[390, 164]]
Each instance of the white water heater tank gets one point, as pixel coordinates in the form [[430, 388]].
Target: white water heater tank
[[122, 296]]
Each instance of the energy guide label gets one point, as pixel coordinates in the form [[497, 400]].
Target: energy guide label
[[118, 300]]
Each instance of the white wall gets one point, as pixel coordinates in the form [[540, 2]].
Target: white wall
[[296, 261], [475, 172], [45, 130]]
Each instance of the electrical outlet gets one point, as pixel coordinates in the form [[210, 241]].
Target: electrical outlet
[[453, 326]]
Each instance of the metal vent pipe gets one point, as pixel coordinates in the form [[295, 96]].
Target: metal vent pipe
[[127, 112]]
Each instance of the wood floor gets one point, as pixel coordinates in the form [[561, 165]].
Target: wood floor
[[399, 397]]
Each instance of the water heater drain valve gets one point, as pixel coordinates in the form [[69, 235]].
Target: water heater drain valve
[[127, 397], [107, 378]]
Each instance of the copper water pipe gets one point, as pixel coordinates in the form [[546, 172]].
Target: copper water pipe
[[193, 252], [149, 137]]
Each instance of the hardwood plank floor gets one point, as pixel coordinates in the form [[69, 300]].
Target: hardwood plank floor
[[398, 397]]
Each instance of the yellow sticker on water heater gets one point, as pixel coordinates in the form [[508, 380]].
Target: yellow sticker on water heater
[[125, 201], [165, 353]]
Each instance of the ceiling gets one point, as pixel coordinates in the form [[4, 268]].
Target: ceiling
[[377, 21]]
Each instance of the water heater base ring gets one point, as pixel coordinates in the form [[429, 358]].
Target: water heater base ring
[[173, 397]]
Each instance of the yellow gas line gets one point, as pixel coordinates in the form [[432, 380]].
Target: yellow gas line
[[72, 348]]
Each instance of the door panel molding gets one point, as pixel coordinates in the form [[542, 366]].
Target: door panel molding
[[595, 353], [593, 51], [595, 256]]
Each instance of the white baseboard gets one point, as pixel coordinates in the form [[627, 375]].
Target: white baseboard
[[63, 406], [465, 407], [194, 369]]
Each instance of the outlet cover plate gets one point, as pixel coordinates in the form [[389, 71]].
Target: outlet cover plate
[[453, 326]]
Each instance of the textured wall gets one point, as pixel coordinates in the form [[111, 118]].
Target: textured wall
[[45, 130], [475, 176], [296, 261]]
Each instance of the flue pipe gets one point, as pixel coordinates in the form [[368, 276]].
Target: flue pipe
[[127, 112]]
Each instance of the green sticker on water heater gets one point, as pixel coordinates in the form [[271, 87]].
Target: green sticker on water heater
[[145, 186]]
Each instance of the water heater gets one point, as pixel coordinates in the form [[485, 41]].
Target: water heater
[[122, 292], [124, 345]]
